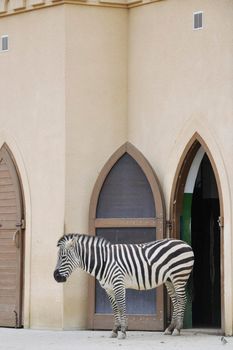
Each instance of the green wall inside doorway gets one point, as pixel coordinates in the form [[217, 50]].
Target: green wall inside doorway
[[185, 235]]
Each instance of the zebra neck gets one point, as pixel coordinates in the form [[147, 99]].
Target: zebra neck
[[93, 253]]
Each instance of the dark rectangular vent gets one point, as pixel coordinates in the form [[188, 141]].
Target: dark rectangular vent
[[4, 42], [198, 20]]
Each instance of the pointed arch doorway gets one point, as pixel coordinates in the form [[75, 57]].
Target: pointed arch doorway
[[11, 242], [197, 217], [127, 207]]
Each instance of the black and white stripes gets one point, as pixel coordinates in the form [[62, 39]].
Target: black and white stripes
[[136, 266]]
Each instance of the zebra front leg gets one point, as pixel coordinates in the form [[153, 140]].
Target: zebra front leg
[[116, 314], [119, 290]]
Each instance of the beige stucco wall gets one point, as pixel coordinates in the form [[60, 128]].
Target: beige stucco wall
[[180, 82], [96, 121], [32, 123], [63, 113]]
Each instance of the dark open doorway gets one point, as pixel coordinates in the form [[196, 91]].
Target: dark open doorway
[[197, 217], [205, 237]]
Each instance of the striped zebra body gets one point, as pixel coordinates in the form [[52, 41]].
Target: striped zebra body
[[135, 266]]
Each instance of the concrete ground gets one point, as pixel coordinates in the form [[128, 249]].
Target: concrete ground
[[25, 339]]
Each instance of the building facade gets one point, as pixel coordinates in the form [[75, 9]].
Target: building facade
[[115, 119]]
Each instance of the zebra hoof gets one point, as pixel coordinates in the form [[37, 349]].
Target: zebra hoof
[[122, 335], [167, 332], [176, 332], [113, 335]]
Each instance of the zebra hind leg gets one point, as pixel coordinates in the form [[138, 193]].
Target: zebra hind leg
[[181, 302], [178, 297], [171, 291]]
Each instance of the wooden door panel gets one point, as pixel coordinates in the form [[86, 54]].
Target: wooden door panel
[[8, 283], [8, 257], [6, 196], [5, 248], [9, 270], [11, 249], [10, 293], [8, 224], [8, 318]]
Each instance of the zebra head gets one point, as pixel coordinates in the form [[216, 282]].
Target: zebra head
[[67, 257]]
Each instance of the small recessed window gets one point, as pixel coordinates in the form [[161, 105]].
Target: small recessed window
[[4, 42], [198, 20]]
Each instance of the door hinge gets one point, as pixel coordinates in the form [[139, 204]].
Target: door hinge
[[169, 225], [21, 224], [221, 221], [168, 228]]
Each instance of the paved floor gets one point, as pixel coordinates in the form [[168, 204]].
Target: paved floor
[[24, 339]]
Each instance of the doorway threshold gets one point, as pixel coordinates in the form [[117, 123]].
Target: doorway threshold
[[207, 331]]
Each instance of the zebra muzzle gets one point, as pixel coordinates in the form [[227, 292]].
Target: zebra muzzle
[[58, 277]]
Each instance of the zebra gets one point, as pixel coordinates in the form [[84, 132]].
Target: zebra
[[136, 266]]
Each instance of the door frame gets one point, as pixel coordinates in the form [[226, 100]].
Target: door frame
[[149, 322], [176, 200]]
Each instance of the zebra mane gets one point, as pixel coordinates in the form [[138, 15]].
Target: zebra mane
[[66, 239]]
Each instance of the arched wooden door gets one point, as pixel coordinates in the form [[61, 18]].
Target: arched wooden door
[[127, 207], [11, 242]]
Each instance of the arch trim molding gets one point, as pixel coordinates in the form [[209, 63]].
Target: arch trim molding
[[148, 171]]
